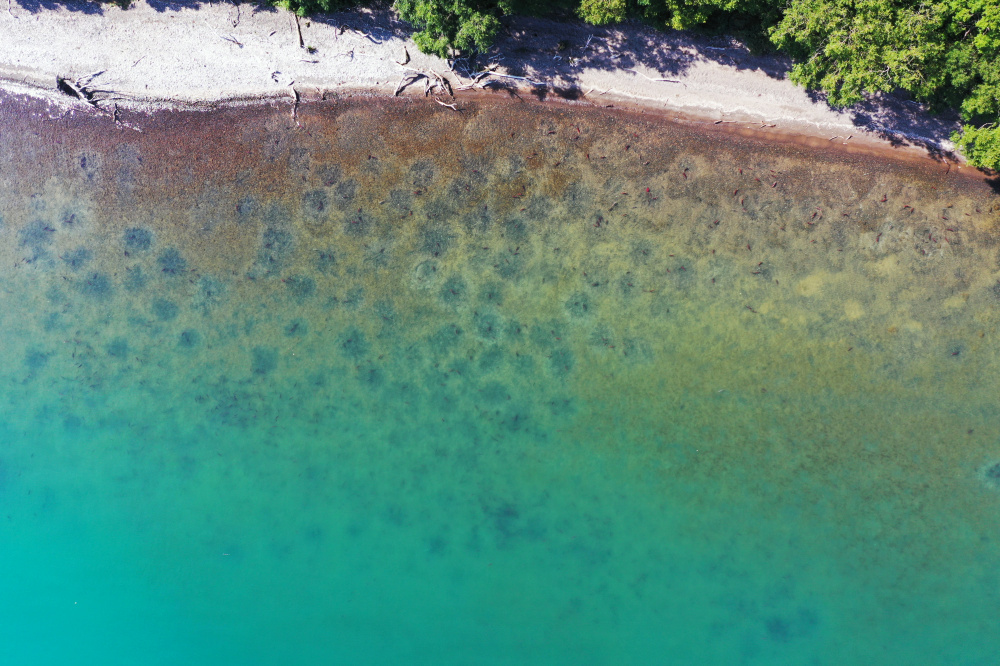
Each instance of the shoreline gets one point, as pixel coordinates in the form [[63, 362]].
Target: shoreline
[[192, 56]]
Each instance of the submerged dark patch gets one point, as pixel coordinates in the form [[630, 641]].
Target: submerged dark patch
[[454, 290], [189, 339], [578, 305], [78, 258], [263, 360], [353, 344], [346, 191], [36, 235], [171, 262], [491, 293], [275, 246], [118, 348], [165, 310], [209, 294], [297, 328], [515, 230], [315, 203], [300, 287], [488, 325], [562, 361], [435, 239], [444, 340], [137, 239], [992, 474], [35, 360], [326, 261], [135, 279], [329, 175], [246, 208], [96, 286]]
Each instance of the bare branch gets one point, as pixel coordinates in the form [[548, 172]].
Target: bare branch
[[651, 78], [298, 29], [450, 106]]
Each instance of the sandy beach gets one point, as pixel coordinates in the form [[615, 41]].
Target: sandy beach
[[189, 54]]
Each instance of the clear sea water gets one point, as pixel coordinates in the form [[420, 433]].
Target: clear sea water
[[389, 384]]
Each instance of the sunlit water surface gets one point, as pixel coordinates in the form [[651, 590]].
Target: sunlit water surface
[[389, 384]]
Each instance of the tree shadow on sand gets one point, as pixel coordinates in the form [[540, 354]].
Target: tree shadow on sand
[[93, 7], [80, 6], [556, 53]]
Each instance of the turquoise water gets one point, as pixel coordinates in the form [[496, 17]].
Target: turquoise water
[[389, 384]]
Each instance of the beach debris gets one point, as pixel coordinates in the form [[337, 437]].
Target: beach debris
[[491, 71], [80, 88], [229, 38], [593, 38], [450, 106], [298, 29], [653, 79], [119, 123], [431, 80], [406, 57]]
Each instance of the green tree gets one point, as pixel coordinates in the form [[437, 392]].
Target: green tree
[[305, 7], [974, 62], [946, 53], [445, 27]]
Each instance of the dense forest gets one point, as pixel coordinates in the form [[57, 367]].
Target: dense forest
[[943, 52]]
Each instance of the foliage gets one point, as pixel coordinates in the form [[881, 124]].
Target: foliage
[[306, 7], [946, 53], [849, 47], [449, 26], [602, 12], [980, 145]]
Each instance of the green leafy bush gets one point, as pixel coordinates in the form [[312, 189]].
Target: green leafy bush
[[980, 145], [602, 12], [306, 7], [946, 53], [446, 27]]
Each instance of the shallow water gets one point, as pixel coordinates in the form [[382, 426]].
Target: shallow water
[[391, 384]]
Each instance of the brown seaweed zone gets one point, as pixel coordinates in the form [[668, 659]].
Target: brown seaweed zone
[[253, 150], [17, 108]]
